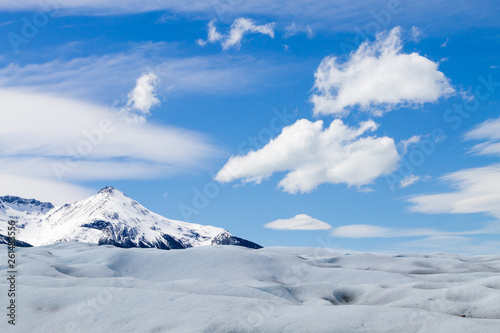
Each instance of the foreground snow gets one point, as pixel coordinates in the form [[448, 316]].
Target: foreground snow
[[77, 287]]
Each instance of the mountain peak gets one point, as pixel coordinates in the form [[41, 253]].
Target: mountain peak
[[108, 190], [109, 218]]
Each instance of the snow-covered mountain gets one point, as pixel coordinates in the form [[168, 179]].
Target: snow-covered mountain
[[109, 217]]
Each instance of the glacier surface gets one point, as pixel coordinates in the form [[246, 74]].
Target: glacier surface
[[78, 287]]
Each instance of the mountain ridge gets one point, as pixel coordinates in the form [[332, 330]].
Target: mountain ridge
[[107, 218]]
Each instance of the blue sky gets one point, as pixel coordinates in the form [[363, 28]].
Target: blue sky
[[343, 121]]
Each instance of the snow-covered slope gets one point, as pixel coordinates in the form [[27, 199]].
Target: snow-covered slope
[[77, 287], [22, 210], [109, 217]]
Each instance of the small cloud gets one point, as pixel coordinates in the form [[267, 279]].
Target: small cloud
[[409, 180], [142, 98], [405, 144], [416, 34], [298, 222], [366, 190], [6, 23], [238, 30], [361, 231], [166, 17], [494, 66], [213, 35], [294, 29], [445, 42], [466, 95]]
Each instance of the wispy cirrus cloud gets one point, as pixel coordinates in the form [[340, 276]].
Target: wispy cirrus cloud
[[296, 29], [423, 240], [318, 13], [108, 78], [43, 189], [374, 231], [477, 190], [81, 141], [489, 131], [123, 86], [237, 31]]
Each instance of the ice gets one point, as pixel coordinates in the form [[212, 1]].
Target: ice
[[78, 287]]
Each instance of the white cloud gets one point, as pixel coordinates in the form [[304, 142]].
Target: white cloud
[[143, 97], [313, 155], [405, 144], [477, 191], [413, 179], [295, 29], [416, 34], [367, 231], [426, 240], [55, 139], [238, 30], [109, 77], [298, 222], [450, 244], [377, 77], [487, 148], [213, 35], [75, 168], [409, 180], [49, 190], [373, 231], [319, 13], [489, 131], [44, 125], [166, 17]]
